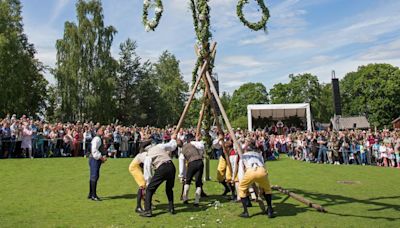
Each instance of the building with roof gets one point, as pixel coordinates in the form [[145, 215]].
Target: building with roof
[[351, 123]]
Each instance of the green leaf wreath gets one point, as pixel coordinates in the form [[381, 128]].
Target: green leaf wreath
[[158, 9], [262, 24]]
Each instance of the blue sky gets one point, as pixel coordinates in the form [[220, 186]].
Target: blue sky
[[315, 36]]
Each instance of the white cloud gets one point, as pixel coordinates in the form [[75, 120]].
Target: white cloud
[[241, 60], [389, 50], [58, 8], [260, 39], [293, 44]]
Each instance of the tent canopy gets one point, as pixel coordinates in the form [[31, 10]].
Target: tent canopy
[[279, 112]]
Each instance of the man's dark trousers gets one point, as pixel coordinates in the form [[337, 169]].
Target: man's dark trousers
[[165, 172], [195, 169], [94, 175]]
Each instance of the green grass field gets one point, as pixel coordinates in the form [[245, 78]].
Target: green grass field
[[52, 193]]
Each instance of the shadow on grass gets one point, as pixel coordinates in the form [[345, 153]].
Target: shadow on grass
[[205, 203], [331, 200], [124, 196]]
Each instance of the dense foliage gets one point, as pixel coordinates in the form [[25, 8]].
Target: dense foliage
[[22, 84], [374, 91]]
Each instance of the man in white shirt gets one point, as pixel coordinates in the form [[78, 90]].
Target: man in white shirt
[[164, 171], [253, 163], [95, 160]]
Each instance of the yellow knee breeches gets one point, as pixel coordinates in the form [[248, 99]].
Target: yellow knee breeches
[[137, 173], [258, 175], [221, 170]]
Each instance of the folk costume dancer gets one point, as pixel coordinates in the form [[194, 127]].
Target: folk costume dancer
[[224, 174], [253, 163], [193, 153], [95, 160], [164, 171], [141, 177], [234, 160]]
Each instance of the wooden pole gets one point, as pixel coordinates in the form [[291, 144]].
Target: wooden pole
[[225, 117], [192, 93], [203, 107], [204, 68], [299, 198]]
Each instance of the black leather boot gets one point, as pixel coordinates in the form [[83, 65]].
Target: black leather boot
[[248, 201], [94, 193], [171, 208], [270, 211], [139, 208], [90, 191], [226, 188], [245, 213], [232, 188]]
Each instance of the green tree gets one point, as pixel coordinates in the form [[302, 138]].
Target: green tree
[[249, 93], [129, 71], [85, 71], [172, 87], [302, 88], [374, 91], [22, 84], [147, 97]]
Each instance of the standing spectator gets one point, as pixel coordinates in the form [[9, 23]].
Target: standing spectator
[[87, 138], [397, 150], [345, 148], [117, 141], [124, 143], [363, 151], [75, 141], [322, 142], [384, 155], [67, 140], [390, 152], [27, 140], [376, 153], [6, 139], [335, 150]]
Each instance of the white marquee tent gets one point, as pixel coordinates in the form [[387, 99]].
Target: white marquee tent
[[279, 112]]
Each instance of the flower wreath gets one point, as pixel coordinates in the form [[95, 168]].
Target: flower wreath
[[153, 23], [257, 25]]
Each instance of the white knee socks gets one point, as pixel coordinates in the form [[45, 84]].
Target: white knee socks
[[185, 192], [197, 195]]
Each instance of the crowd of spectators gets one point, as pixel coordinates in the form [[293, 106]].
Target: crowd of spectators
[[357, 147], [24, 137]]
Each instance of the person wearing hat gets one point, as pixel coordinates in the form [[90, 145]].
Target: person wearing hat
[[160, 155], [254, 172], [95, 160], [193, 152]]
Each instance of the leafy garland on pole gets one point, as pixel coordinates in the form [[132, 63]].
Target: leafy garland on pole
[[158, 10], [262, 24], [201, 23]]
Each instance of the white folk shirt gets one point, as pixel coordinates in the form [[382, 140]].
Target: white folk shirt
[[199, 145], [217, 144], [147, 168], [252, 159], [95, 152]]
